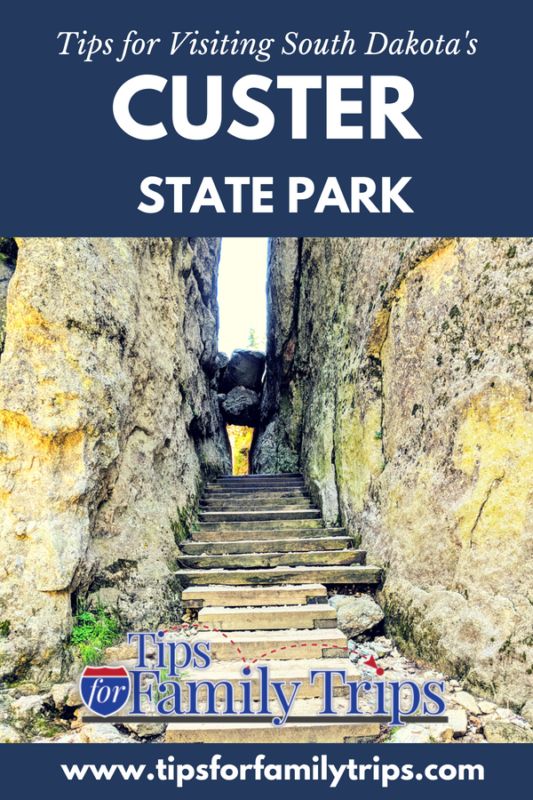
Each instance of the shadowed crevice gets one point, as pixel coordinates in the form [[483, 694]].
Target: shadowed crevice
[[8, 262]]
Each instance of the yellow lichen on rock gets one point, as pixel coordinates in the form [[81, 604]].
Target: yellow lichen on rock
[[108, 420], [431, 337], [358, 437], [494, 446], [435, 270]]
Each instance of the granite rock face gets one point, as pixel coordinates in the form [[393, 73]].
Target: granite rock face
[[8, 258], [109, 421], [399, 379]]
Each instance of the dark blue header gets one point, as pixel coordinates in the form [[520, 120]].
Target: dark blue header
[[384, 118]]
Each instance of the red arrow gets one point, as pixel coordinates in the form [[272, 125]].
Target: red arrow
[[372, 663]]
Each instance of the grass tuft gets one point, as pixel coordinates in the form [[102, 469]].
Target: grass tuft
[[93, 631]]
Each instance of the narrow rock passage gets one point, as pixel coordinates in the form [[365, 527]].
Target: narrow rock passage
[[256, 571]]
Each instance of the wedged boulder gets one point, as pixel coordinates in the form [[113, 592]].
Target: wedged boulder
[[356, 613], [244, 369], [221, 360], [241, 407]]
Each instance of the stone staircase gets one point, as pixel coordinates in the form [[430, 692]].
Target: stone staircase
[[256, 572]]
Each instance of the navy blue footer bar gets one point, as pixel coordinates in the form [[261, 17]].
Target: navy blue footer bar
[[234, 771]]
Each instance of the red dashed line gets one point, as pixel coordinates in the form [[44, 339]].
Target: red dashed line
[[329, 646]]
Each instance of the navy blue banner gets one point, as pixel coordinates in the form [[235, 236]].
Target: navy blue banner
[[365, 157], [410, 771]]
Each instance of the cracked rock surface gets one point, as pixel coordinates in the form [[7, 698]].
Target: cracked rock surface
[[109, 420], [399, 380]]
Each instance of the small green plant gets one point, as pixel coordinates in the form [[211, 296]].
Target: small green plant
[[252, 338], [93, 631], [5, 627], [378, 435], [47, 728], [390, 732]]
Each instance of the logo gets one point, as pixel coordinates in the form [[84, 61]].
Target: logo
[[105, 690], [170, 680]]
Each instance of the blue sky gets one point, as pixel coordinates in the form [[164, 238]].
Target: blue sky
[[242, 292]]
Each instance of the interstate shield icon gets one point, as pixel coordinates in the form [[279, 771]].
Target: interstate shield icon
[[105, 690]]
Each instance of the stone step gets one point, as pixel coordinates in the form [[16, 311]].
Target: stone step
[[246, 596], [215, 732], [254, 503], [291, 483], [242, 491], [266, 733], [278, 491], [280, 477], [260, 476], [238, 507], [314, 615], [356, 575], [263, 525], [265, 560], [266, 545], [257, 516], [269, 645], [215, 488], [243, 534]]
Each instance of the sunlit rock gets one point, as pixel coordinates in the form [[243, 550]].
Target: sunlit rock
[[399, 378], [108, 422]]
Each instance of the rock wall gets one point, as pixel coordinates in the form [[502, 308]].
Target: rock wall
[[277, 443], [8, 258], [108, 422], [399, 377]]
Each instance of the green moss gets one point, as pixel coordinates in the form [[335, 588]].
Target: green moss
[[5, 628], [512, 251], [185, 522], [93, 631], [286, 460], [46, 728], [390, 732], [405, 625]]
